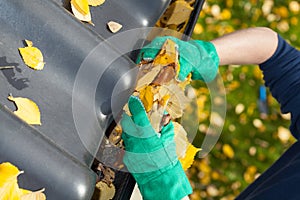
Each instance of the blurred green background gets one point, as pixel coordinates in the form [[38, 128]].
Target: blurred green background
[[250, 142]]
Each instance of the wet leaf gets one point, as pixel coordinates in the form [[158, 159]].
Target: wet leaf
[[27, 110], [32, 56], [96, 2], [114, 26]]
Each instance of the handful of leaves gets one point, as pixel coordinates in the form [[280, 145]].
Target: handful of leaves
[[163, 96]]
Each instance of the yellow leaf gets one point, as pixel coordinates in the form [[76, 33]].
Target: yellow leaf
[[188, 160], [168, 53], [81, 15], [96, 2], [82, 6], [228, 151], [146, 97], [32, 56], [38, 195], [9, 189], [27, 110]]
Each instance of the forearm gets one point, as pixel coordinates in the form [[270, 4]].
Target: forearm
[[248, 46]]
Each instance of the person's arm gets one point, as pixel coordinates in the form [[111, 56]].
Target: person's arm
[[279, 61], [247, 46]]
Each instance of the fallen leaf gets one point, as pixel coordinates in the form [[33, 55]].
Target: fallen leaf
[[146, 96], [27, 110], [82, 6], [37, 195], [188, 159], [106, 192], [32, 56], [181, 140], [228, 151], [114, 26], [177, 13], [9, 189], [96, 2], [81, 15]]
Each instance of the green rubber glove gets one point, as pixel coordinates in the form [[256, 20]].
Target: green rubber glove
[[151, 156], [196, 56]]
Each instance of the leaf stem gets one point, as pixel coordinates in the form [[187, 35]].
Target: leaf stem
[[6, 67]]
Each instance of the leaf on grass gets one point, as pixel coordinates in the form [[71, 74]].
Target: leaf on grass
[[114, 26], [228, 151], [27, 110], [81, 11], [188, 160], [9, 188], [106, 192], [96, 2], [32, 56]]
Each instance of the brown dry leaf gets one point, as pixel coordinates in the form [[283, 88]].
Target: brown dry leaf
[[178, 100], [168, 54], [155, 116], [32, 56], [114, 26], [181, 140], [81, 11], [188, 159], [96, 2], [177, 13], [27, 110], [9, 189], [37, 195], [146, 78], [106, 192]]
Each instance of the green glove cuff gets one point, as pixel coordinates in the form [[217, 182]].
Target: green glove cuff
[[207, 67], [171, 185]]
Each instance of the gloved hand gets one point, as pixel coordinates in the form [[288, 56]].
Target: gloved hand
[[151, 156], [196, 56]]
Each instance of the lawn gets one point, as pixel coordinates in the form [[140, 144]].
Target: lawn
[[250, 141]]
